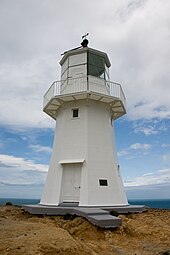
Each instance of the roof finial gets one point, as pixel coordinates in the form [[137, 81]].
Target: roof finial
[[85, 41], [84, 36]]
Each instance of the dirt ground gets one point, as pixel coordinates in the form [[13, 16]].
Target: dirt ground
[[141, 234]]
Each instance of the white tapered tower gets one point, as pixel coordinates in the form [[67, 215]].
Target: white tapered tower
[[85, 103]]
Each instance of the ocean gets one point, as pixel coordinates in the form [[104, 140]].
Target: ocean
[[152, 203]]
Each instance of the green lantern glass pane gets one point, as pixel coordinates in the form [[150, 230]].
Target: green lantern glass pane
[[96, 66]]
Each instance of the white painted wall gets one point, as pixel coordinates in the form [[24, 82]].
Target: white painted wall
[[102, 160], [74, 66], [88, 137], [78, 59], [69, 144]]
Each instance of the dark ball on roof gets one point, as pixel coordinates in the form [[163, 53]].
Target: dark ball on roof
[[85, 43]]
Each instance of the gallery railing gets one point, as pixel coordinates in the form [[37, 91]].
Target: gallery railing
[[85, 84]]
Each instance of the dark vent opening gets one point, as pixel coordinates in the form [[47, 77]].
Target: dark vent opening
[[103, 182]]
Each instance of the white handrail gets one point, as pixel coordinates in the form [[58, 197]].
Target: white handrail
[[83, 84]]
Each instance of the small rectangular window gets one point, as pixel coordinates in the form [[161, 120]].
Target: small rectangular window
[[75, 113], [103, 182]]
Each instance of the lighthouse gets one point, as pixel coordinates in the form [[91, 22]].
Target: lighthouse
[[84, 104]]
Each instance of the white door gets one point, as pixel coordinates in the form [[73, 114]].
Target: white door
[[71, 182]]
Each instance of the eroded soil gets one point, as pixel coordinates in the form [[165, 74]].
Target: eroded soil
[[145, 233]]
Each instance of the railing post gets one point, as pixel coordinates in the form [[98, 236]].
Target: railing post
[[87, 83]]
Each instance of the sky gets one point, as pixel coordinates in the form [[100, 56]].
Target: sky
[[135, 34]]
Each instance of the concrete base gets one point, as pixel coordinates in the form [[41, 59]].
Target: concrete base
[[99, 216]]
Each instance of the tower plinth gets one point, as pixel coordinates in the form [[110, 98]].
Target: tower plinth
[[84, 167]]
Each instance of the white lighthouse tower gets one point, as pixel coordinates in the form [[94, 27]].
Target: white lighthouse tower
[[84, 167]]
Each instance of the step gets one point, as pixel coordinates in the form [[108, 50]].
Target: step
[[105, 221]]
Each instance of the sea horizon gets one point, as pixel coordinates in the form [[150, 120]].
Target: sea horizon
[[163, 203]]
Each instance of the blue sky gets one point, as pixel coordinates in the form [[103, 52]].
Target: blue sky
[[135, 34]]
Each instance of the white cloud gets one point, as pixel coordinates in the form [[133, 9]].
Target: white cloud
[[134, 147], [165, 145], [140, 146], [22, 91], [144, 62], [21, 164], [123, 152], [135, 34], [157, 177], [166, 158], [21, 190], [149, 127], [40, 148], [153, 191], [146, 130], [21, 177]]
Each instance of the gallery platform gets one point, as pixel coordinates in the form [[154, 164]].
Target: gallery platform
[[99, 216]]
